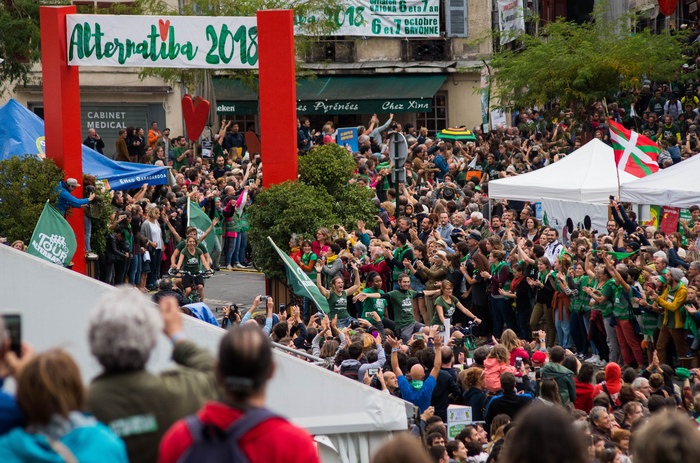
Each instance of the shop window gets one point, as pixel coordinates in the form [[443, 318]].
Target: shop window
[[332, 50], [436, 119]]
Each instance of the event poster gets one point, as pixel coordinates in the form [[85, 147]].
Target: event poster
[[348, 137], [511, 20], [669, 219], [381, 18]]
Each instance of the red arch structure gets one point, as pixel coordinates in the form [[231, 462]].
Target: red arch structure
[[61, 85]]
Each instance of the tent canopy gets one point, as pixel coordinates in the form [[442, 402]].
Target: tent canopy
[[588, 175], [22, 134], [676, 186]]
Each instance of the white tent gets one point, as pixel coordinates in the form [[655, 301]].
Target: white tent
[[676, 186], [588, 175]]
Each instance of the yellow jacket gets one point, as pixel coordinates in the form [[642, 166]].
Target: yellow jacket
[[673, 307]]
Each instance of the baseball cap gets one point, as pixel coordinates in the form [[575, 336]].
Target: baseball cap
[[539, 358], [72, 182], [475, 235]]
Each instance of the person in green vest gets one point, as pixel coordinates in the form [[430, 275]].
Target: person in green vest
[[401, 303], [630, 348], [580, 310], [338, 295], [396, 259], [602, 297]]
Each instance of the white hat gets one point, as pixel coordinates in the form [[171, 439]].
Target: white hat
[[72, 182]]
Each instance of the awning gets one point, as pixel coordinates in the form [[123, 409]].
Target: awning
[[341, 95]]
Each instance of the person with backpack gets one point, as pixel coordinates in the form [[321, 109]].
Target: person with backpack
[[239, 428]]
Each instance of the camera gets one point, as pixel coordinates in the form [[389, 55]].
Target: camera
[[418, 336], [458, 342], [372, 371], [233, 309], [518, 362], [264, 298], [89, 189]]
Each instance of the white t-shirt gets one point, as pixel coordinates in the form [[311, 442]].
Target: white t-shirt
[[156, 235]]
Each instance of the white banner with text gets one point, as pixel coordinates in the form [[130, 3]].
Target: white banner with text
[[163, 41], [382, 18]]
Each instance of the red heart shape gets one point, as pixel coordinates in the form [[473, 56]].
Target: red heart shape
[[196, 114], [164, 27]]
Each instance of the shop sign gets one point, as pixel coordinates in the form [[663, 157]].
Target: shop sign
[[380, 18], [365, 106], [237, 107], [163, 41]]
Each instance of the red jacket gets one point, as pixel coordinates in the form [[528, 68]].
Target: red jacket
[[274, 441], [382, 268], [584, 396]]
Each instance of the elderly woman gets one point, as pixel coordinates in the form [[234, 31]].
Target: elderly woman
[[137, 404], [51, 395]]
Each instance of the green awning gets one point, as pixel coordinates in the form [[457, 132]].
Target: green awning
[[341, 94]]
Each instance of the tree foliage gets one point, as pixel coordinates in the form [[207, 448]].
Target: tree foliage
[[575, 63], [19, 40], [322, 197], [25, 186], [279, 212]]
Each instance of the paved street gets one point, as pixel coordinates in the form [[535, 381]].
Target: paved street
[[238, 287]]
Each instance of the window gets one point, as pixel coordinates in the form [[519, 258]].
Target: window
[[436, 119], [425, 50], [331, 49]]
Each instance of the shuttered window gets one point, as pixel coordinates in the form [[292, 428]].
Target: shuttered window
[[456, 16]]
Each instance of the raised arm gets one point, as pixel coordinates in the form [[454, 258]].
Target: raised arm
[[395, 348], [323, 290], [437, 342], [356, 283]]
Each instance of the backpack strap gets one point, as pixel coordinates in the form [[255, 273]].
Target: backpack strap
[[252, 418], [196, 427]]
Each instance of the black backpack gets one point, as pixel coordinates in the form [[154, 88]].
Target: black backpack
[[213, 444]]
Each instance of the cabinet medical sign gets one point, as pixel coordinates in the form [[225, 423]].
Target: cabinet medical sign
[[381, 18], [163, 41]]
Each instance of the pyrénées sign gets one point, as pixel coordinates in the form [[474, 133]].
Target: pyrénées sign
[[163, 41]]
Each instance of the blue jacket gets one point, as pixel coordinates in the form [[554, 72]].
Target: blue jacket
[[89, 443], [420, 398], [66, 200], [441, 164], [10, 414]]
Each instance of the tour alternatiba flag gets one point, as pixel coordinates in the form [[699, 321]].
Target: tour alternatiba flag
[[53, 239], [300, 281], [634, 153], [198, 219]]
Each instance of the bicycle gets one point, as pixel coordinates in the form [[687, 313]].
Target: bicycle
[[469, 338], [191, 290]]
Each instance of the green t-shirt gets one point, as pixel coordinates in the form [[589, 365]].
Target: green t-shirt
[[402, 303], [177, 165], [310, 257], [622, 304], [608, 291], [192, 261], [373, 305], [448, 309], [338, 305], [579, 303]]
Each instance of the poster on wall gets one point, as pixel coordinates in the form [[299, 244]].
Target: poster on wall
[[511, 19], [381, 18], [216, 42]]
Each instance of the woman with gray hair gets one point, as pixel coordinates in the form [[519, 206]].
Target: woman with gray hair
[[136, 404]]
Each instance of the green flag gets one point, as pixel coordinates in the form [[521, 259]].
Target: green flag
[[53, 239], [198, 219], [300, 281], [616, 255]]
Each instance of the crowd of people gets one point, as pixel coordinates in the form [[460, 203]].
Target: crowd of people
[[446, 299]]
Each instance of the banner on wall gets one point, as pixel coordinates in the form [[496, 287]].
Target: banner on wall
[[381, 18], [511, 19], [162, 41]]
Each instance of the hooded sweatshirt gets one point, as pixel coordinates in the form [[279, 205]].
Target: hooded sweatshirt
[[613, 382], [584, 396], [564, 378]]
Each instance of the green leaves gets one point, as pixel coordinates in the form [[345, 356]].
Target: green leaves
[[583, 63], [321, 198], [25, 185], [19, 40]]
